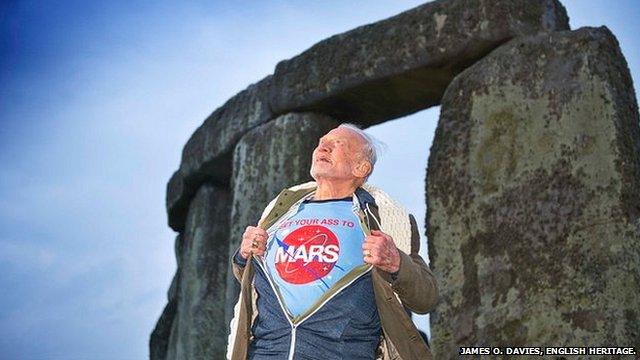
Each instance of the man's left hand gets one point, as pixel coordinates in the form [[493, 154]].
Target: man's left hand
[[379, 250]]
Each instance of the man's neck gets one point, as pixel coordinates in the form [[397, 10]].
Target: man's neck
[[333, 190]]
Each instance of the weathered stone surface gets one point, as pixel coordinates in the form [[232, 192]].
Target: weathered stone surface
[[265, 161], [403, 64], [534, 198], [198, 329]]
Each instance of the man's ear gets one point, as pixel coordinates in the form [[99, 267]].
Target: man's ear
[[362, 169]]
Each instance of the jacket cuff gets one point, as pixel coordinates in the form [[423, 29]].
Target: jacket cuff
[[238, 259]]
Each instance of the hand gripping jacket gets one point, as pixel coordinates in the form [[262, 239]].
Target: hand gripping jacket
[[414, 288]]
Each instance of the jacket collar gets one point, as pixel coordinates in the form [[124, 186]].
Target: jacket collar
[[364, 198]]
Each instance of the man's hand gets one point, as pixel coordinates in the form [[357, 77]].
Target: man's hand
[[379, 250], [254, 240]]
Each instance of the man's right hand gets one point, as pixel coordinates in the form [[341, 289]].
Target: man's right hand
[[254, 240]]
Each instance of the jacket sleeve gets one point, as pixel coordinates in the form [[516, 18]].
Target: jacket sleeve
[[414, 283]]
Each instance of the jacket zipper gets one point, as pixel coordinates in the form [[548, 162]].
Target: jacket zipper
[[292, 346]]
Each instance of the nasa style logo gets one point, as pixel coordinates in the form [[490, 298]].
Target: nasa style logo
[[307, 254]]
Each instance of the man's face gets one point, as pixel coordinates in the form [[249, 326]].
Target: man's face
[[337, 156]]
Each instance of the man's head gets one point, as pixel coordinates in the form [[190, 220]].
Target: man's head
[[345, 153]]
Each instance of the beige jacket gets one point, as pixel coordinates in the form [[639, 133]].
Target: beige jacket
[[414, 288]]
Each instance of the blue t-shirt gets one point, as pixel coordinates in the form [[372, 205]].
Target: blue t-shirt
[[313, 255]]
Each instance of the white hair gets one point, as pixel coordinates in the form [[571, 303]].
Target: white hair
[[371, 147]]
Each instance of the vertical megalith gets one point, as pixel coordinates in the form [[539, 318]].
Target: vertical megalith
[[266, 160], [198, 330], [534, 198]]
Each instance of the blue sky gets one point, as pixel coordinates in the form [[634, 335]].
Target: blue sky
[[96, 102]]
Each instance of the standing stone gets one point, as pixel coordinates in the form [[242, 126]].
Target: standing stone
[[266, 160], [534, 198], [198, 329]]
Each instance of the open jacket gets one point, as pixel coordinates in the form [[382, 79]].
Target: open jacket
[[415, 285]]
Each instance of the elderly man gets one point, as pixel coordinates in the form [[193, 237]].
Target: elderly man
[[332, 267]]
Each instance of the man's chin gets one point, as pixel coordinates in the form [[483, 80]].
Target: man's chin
[[314, 174], [319, 175]]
